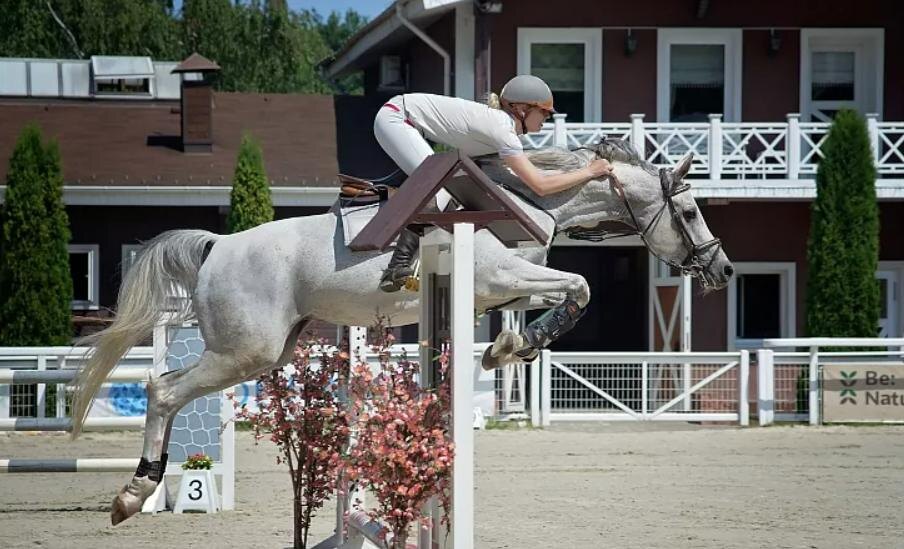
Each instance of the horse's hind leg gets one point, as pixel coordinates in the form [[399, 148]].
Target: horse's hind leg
[[167, 394]]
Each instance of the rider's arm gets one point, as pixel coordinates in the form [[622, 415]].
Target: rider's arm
[[544, 184]]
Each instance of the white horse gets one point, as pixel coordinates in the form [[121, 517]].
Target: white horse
[[253, 292]]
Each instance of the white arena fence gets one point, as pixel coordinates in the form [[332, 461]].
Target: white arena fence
[[685, 386], [789, 380]]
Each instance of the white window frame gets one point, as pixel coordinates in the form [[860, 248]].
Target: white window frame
[[93, 251], [127, 251], [787, 271], [731, 39], [591, 38], [868, 46]]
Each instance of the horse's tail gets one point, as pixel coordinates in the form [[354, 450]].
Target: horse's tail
[[167, 267]]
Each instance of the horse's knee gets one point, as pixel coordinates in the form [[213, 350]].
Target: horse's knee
[[579, 291]]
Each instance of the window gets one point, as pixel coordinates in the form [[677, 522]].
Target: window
[[698, 74], [840, 68], [123, 86], [570, 61], [891, 308], [761, 303], [697, 82], [84, 267], [392, 76], [758, 308]]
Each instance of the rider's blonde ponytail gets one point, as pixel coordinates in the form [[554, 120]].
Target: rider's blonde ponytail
[[493, 101]]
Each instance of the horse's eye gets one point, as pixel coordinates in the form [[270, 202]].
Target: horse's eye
[[690, 215]]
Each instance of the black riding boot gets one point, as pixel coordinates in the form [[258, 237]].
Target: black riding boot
[[399, 268]]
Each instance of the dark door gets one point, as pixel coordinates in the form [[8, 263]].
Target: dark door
[[616, 319]]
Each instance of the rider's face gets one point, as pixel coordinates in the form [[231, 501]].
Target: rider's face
[[535, 118]]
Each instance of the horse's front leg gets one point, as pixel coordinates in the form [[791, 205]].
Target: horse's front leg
[[567, 292]]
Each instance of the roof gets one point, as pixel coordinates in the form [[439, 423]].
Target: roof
[[385, 31], [136, 143], [197, 63]]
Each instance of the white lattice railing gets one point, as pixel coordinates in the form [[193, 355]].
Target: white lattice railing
[[729, 150]]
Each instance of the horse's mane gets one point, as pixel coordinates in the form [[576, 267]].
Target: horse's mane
[[609, 148]]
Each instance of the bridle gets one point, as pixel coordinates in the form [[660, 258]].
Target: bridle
[[693, 263]]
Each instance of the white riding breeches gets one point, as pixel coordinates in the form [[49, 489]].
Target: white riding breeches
[[403, 142]]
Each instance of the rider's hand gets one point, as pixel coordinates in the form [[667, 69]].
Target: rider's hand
[[599, 168]]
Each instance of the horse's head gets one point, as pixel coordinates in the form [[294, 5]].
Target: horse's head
[[661, 208]]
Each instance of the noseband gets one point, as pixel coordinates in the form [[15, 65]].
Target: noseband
[[693, 263]]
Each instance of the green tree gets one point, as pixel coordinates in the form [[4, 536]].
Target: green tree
[[843, 247], [76, 29], [35, 284], [335, 31], [249, 201]]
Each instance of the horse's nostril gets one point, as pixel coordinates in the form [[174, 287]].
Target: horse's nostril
[[728, 270]]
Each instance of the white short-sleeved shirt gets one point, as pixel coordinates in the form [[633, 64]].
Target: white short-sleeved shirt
[[473, 128]]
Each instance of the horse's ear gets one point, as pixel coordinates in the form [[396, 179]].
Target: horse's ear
[[683, 167]]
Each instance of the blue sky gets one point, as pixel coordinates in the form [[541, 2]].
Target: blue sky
[[370, 8]]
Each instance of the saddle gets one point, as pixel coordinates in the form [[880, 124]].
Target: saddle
[[362, 190]]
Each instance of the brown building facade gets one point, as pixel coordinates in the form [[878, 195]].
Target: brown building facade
[[672, 77]]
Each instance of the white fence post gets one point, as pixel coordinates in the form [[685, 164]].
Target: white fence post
[[559, 136], [545, 387], [743, 389], [814, 385], [872, 127], [765, 368], [638, 138], [715, 147], [792, 145], [61, 389], [41, 394], [535, 419], [644, 388]]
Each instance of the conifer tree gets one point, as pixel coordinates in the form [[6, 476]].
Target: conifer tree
[[250, 203], [843, 247], [35, 283]]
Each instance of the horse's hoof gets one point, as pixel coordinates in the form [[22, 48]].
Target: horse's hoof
[[506, 343], [130, 499], [489, 362]]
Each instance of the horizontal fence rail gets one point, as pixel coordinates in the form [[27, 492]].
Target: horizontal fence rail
[[787, 149]]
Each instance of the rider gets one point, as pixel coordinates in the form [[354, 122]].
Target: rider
[[406, 122]]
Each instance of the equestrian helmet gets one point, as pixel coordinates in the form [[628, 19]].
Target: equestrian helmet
[[527, 89]]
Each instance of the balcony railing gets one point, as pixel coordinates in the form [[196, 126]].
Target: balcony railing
[[730, 150]]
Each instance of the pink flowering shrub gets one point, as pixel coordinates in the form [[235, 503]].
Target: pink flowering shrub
[[299, 411], [403, 453]]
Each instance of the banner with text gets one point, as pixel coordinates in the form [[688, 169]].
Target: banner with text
[[862, 392]]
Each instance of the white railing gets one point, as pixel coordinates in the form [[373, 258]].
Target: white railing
[[40, 359], [787, 150], [788, 382], [640, 386]]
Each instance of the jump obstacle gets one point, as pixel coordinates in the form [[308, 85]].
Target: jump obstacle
[[446, 295]]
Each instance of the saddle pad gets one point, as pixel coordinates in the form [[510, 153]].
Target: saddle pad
[[355, 216]]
